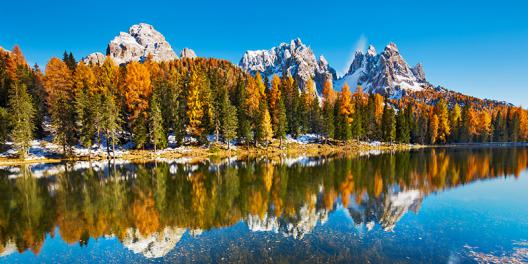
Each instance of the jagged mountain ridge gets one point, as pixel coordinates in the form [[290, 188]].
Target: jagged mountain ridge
[[386, 73], [294, 58], [141, 41]]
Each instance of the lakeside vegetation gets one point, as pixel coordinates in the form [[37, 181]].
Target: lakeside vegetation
[[145, 103]]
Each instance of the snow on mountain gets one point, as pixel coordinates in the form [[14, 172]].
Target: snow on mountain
[[294, 58], [187, 53], [140, 41], [296, 227], [155, 245], [384, 73], [387, 209], [94, 58]]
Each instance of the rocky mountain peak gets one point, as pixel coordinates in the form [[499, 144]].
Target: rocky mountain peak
[[419, 72], [391, 47], [385, 73], [187, 53], [371, 51], [293, 58], [136, 44]]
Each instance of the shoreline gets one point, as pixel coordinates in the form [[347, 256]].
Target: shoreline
[[200, 153]]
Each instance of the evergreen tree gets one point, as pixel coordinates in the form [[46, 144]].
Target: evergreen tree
[[22, 113], [4, 124], [110, 119], [281, 127], [388, 124], [402, 128], [157, 135], [229, 120]]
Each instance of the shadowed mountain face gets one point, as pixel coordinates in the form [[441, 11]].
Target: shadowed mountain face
[[153, 208]]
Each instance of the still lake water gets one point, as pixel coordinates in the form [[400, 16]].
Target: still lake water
[[446, 205]]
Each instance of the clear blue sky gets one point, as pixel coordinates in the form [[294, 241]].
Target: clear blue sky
[[474, 47]]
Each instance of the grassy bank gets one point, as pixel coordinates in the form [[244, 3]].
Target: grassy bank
[[198, 153]]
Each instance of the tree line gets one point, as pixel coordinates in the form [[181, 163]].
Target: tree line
[[144, 103]]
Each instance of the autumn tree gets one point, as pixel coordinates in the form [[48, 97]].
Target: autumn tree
[[346, 109], [86, 106], [329, 98], [444, 128], [58, 83], [264, 131], [138, 90]]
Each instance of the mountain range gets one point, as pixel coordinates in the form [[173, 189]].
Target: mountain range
[[386, 72]]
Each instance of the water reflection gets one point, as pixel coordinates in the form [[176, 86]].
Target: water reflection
[[149, 207]]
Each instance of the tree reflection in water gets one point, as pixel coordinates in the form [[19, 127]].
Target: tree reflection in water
[[150, 206]]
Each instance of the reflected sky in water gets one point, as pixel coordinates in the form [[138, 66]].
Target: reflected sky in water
[[434, 205]]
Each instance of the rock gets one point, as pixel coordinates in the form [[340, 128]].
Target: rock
[[141, 41], [419, 72], [188, 53], [96, 58], [294, 58], [384, 73]]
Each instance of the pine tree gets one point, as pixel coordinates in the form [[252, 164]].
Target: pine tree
[[244, 128], [229, 120], [4, 124], [22, 113], [157, 135], [281, 127], [110, 119], [388, 124], [402, 128]]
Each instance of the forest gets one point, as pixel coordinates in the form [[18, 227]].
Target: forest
[[109, 105]]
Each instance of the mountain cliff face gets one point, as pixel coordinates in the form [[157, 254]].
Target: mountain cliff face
[[294, 58], [188, 53], [140, 41], [385, 73]]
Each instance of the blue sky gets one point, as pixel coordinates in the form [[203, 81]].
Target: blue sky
[[474, 47]]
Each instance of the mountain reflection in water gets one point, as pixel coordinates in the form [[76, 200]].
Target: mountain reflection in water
[[149, 207]]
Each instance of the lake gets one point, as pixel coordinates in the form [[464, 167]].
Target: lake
[[439, 205]]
